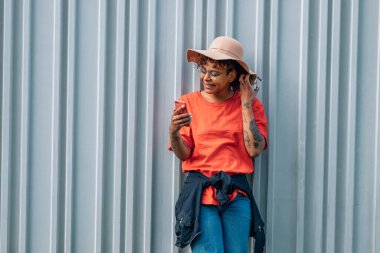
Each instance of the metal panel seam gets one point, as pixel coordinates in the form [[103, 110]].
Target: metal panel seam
[[229, 18], [131, 125], [179, 25], [320, 119], [376, 205], [272, 80], [149, 126], [101, 35], [119, 91], [55, 126], [301, 140], [6, 126], [350, 152], [69, 152], [197, 35], [211, 20], [332, 127], [24, 151]]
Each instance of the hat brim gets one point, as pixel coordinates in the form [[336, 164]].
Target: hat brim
[[218, 55]]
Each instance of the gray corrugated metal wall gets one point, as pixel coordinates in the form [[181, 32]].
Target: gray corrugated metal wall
[[87, 89]]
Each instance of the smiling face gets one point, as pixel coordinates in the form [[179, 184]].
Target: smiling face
[[215, 79]]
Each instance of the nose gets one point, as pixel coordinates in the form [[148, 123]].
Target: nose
[[206, 76]]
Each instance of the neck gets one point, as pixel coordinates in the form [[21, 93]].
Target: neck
[[215, 98]]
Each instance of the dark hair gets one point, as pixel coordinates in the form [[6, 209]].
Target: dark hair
[[230, 66]]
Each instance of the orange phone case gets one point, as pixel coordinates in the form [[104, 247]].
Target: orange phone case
[[178, 104]]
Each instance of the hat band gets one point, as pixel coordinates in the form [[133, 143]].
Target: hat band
[[227, 52]]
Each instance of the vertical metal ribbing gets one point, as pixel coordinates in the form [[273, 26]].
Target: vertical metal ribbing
[[54, 180], [230, 18], [118, 148], [332, 129], [6, 124], [343, 52], [320, 130], [24, 128], [211, 19], [350, 134], [100, 86], [376, 179], [149, 118], [197, 36], [178, 60], [71, 48], [272, 81], [198, 23], [301, 132], [257, 67], [131, 125], [180, 53]]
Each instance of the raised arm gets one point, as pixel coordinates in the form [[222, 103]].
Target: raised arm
[[254, 141], [179, 146]]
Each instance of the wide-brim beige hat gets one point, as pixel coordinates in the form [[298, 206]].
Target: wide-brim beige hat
[[221, 48]]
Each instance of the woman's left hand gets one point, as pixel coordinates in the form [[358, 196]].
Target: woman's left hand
[[247, 93], [253, 140]]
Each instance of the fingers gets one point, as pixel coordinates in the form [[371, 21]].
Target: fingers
[[246, 79], [241, 78], [247, 92], [244, 83], [181, 120]]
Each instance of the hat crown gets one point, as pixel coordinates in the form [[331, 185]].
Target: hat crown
[[229, 45], [221, 48]]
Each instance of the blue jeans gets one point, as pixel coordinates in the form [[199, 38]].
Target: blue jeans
[[226, 231]]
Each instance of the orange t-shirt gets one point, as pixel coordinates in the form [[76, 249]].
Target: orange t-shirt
[[215, 136]]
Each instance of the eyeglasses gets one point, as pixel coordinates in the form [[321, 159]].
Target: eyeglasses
[[212, 73]]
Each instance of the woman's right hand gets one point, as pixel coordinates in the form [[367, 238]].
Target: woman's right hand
[[179, 120]]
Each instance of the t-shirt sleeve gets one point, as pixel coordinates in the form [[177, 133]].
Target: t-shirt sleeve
[[260, 119]]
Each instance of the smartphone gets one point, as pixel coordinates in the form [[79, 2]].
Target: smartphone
[[252, 80], [256, 88], [178, 104]]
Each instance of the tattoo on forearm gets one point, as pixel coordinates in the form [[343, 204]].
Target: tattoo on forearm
[[247, 105], [175, 141], [256, 133], [244, 119]]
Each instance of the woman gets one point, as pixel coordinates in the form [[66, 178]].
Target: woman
[[216, 133]]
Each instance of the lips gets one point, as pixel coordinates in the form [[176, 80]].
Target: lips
[[208, 86]]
